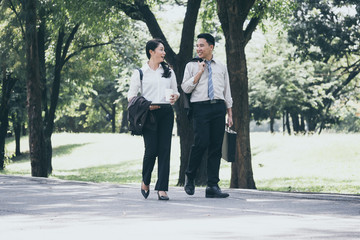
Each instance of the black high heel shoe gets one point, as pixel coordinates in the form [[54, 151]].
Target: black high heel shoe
[[162, 197], [145, 193]]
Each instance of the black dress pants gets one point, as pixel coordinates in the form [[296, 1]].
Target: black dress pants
[[157, 141], [209, 127]]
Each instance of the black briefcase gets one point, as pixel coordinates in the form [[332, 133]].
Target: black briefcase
[[229, 145]]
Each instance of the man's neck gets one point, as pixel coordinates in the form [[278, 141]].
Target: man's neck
[[209, 58]]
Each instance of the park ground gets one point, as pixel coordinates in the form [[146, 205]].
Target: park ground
[[326, 163], [43, 208]]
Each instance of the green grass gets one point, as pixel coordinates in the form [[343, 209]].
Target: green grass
[[326, 163]]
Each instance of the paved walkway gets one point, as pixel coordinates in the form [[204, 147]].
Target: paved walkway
[[38, 208]]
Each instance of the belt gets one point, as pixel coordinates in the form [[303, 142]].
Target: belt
[[209, 101]]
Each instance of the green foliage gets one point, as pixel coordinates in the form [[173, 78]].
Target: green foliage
[[328, 32], [12, 58], [323, 30], [209, 19], [90, 77], [103, 75]]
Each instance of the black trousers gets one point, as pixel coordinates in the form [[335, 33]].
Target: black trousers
[[209, 127], [157, 141]]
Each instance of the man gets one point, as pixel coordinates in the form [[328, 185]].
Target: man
[[208, 82]]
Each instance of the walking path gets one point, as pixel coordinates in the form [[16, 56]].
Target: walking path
[[39, 208]]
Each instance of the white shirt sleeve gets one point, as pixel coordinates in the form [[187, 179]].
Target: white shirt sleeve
[[174, 83], [188, 79], [135, 85]]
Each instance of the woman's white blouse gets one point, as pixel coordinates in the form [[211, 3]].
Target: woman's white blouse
[[154, 84]]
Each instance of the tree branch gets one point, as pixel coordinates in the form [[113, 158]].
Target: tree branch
[[130, 10], [86, 47], [254, 22], [155, 29], [245, 6], [12, 7], [141, 11], [250, 29], [68, 42], [187, 35], [180, 3]]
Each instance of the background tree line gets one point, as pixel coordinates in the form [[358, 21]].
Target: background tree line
[[307, 76]]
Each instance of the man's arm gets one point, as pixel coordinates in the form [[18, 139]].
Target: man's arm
[[229, 117], [190, 81]]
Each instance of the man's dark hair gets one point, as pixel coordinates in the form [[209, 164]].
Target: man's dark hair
[[208, 37]]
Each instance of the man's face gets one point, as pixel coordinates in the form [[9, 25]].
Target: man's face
[[203, 49]]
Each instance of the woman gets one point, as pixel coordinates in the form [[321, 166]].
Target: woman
[[158, 80]]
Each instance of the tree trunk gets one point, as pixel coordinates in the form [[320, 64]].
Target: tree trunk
[[287, 122], [141, 11], [3, 117], [16, 120], [124, 120], [36, 140], [8, 84], [42, 63], [185, 131], [283, 122], [23, 129], [272, 120], [302, 124], [17, 130], [3, 129], [232, 15], [295, 122], [113, 113], [60, 59]]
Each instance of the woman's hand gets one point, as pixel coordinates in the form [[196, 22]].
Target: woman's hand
[[173, 98], [154, 107]]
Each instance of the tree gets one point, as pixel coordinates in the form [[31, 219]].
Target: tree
[[37, 157], [140, 10], [72, 39], [12, 62], [232, 15], [239, 19], [328, 32], [7, 84], [93, 93], [282, 86]]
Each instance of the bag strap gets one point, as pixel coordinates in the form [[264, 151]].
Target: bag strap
[[141, 78]]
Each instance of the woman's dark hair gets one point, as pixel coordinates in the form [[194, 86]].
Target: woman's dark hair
[[152, 45]]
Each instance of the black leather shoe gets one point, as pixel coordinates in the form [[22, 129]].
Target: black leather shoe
[[189, 186], [164, 197], [215, 192], [145, 193]]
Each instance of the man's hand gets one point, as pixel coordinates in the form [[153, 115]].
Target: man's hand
[[197, 77], [230, 121], [229, 117], [201, 66]]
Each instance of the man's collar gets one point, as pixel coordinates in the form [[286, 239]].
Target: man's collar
[[213, 59]]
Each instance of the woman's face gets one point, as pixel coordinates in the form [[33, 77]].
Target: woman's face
[[158, 55]]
